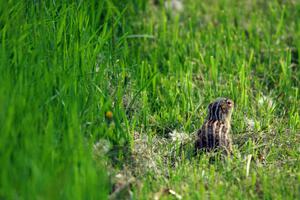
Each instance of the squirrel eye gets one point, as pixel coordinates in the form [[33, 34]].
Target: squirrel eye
[[229, 103]]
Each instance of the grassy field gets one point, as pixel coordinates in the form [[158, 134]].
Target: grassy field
[[96, 98]]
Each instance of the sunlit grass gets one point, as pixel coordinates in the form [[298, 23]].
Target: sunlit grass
[[73, 75]]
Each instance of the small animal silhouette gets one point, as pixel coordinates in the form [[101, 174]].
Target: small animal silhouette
[[214, 133]]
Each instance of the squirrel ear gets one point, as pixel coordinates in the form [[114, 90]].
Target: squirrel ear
[[210, 106]]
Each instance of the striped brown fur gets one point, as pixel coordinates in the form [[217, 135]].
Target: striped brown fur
[[214, 133]]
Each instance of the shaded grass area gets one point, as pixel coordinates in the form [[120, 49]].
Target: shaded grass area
[[64, 65]]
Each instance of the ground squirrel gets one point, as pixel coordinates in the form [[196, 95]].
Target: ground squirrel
[[214, 133]]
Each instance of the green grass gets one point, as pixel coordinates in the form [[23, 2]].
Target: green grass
[[63, 65]]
